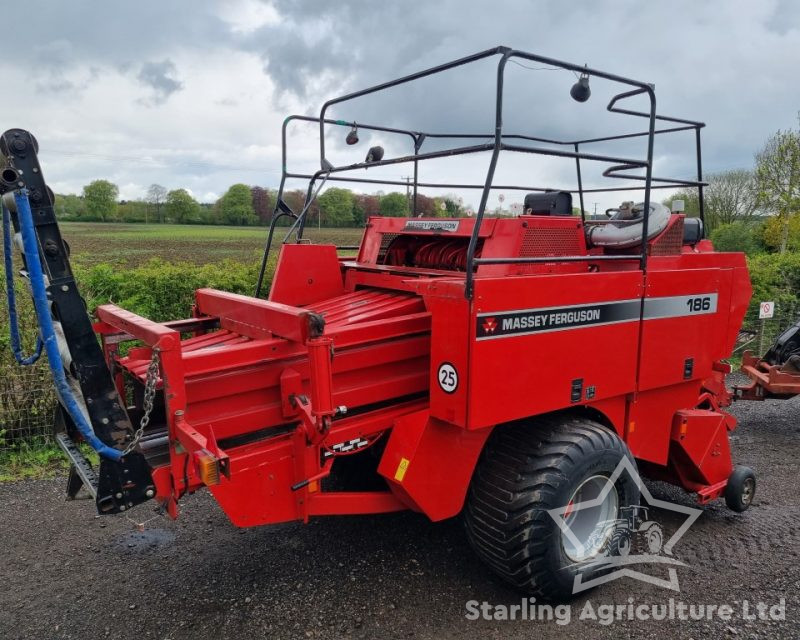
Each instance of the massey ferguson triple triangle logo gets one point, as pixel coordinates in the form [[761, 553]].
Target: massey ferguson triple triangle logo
[[489, 325]]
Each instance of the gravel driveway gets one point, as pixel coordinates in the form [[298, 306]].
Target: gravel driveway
[[66, 573]]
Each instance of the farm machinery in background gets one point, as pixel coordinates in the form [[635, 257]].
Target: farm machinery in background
[[455, 363], [777, 374]]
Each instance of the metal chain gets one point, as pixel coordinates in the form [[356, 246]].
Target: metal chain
[[149, 395]]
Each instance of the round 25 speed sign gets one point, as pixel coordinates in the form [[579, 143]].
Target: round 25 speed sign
[[447, 377]]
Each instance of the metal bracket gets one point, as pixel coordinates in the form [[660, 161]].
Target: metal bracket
[[81, 472]]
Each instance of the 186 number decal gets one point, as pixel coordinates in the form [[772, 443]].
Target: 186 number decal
[[699, 304]]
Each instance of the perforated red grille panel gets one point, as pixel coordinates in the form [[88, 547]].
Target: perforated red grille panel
[[386, 240], [550, 242], [670, 242]]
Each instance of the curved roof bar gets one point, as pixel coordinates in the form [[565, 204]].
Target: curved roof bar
[[499, 141]]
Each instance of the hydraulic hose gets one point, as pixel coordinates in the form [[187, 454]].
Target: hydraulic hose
[[47, 331], [16, 342]]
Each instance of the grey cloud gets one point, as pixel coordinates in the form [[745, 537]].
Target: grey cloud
[[358, 37], [714, 61], [104, 33], [54, 54], [160, 78], [53, 62]]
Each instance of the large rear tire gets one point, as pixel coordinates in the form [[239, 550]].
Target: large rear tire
[[525, 471]]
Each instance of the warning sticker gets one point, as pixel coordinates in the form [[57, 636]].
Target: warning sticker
[[401, 469]]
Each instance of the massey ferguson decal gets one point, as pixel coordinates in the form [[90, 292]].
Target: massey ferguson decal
[[513, 323], [431, 225], [527, 321]]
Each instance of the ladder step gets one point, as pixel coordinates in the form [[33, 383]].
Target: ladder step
[[80, 464]]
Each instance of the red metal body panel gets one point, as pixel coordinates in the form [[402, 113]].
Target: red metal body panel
[[667, 342], [428, 463], [306, 273], [700, 453], [649, 413], [530, 374], [347, 354]]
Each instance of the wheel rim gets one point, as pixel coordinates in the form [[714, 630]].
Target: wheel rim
[[590, 526], [748, 489]]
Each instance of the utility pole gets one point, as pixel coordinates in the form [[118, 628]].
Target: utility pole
[[595, 208], [408, 194]]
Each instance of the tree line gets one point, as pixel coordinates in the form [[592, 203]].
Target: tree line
[[757, 209], [245, 205]]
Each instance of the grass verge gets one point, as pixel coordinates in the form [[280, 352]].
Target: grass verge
[[29, 462]]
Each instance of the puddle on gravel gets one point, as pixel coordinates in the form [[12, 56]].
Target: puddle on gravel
[[147, 540]]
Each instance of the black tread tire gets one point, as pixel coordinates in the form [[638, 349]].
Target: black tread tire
[[525, 470], [735, 487]]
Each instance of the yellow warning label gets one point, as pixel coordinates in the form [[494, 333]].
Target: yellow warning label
[[401, 469]]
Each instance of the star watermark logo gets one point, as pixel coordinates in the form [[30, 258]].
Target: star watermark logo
[[616, 548]]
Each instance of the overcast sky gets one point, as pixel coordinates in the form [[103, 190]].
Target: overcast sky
[[193, 93]]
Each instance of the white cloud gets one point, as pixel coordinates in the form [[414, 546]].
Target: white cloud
[[246, 16]]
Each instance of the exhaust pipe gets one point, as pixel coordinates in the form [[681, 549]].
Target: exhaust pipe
[[9, 178]]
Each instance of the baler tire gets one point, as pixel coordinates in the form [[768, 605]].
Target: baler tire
[[525, 470]]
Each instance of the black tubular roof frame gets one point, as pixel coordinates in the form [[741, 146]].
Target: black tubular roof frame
[[497, 142]]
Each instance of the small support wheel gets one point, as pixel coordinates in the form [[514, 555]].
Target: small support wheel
[[741, 489]]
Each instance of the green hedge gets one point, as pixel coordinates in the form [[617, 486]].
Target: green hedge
[[161, 290], [776, 277]]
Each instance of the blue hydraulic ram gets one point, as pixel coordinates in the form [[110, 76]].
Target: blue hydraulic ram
[[16, 341], [47, 331]]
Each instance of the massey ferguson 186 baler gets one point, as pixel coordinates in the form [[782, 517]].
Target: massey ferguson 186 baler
[[498, 367]]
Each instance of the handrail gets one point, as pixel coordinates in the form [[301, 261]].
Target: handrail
[[501, 66], [499, 141], [495, 187]]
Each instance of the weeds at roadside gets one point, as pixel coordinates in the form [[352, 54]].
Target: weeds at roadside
[[29, 462]]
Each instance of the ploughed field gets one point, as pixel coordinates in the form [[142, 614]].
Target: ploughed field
[[132, 244]]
